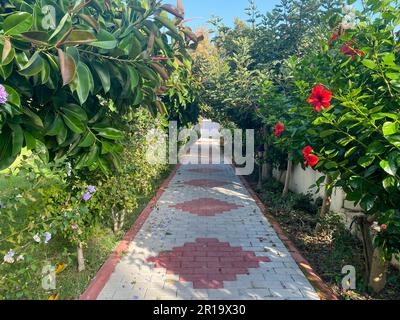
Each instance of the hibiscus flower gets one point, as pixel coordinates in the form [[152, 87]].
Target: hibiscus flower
[[333, 38], [348, 50], [320, 97], [279, 128], [310, 159]]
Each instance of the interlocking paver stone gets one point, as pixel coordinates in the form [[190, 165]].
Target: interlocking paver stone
[[206, 238]]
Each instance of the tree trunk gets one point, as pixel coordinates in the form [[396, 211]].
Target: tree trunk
[[288, 176], [114, 220], [81, 259], [375, 268], [121, 219], [326, 204], [378, 272]]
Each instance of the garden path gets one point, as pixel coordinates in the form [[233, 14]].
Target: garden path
[[204, 237]]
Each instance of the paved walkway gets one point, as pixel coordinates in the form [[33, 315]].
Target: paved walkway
[[207, 239]]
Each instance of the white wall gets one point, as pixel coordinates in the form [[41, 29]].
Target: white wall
[[301, 182]]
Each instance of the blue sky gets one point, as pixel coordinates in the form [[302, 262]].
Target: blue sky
[[227, 9]]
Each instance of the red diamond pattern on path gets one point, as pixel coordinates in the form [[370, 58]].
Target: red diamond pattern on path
[[207, 183], [205, 170], [207, 262], [206, 207]]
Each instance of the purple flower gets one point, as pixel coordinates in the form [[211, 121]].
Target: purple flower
[[9, 257], [86, 196], [74, 226], [91, 189], [47, 237], [3, 94]]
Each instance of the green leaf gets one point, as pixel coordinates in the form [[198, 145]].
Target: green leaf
[[369, 64], [331, 165], [390, 128], [30, 141], [167, 23], [376, 148], [385, 165], [327, 133], [379, 116], [84, 82], [366, 161], [105, 40], [17, 139], [17, 23], [64, 20], [110, 133], [74, 123], [34, 65], [13, 96], [103, 74], [56, 126], [6, 159], [368, 202], [389, 183], [35, 119], [350, 152], [88, 140], [75, 111], [394, 140]]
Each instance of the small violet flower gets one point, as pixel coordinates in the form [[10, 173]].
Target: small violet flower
[[91, 189], [47, 237], [86, 196], [3, 94], [9, 257], [74, 226]]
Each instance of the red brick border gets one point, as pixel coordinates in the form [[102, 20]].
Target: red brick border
[[324, 292], [103, 275]]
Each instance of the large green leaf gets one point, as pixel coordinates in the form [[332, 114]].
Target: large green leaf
[[87, 140], [105, 40], [13, 96], [56, 126], [75, 111], [17, 139], [17, 23], [84, 82], [34, 65], [104, 75], [390, 128], [110, 133], [74, 123]]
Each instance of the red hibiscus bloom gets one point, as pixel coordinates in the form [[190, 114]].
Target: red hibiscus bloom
[[310, 159], [279, 128], [307, 151], [384, 227], [350, 51], [320, 97], [333, 38]]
